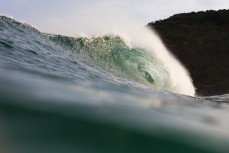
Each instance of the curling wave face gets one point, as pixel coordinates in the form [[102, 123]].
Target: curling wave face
[[111, 53]]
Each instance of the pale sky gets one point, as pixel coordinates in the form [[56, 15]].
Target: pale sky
[[75, 16]]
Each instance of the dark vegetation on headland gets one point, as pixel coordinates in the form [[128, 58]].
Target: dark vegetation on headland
[[201, 42]]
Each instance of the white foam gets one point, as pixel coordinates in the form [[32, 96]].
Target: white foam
[[179, 76]]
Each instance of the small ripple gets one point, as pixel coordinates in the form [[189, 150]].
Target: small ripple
[[7, 45], [74, 62], [31, 51]]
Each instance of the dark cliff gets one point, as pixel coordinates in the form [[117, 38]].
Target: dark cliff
[[201, 42]]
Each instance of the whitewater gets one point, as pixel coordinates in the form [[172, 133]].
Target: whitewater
[[123, 89]]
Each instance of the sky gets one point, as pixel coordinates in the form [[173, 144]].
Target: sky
[[73, 17]]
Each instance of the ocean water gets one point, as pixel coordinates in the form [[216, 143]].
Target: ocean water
[[61, 94]]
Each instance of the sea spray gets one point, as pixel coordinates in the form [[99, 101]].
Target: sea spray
[[150, 41], [136, 36]]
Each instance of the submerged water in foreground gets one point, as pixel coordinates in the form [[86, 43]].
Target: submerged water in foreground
[[63, 95]]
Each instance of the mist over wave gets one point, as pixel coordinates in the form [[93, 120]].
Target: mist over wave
[[150, 42], [147, 39], [115, 22]]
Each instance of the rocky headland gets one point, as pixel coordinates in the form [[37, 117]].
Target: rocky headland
[[200, 40]]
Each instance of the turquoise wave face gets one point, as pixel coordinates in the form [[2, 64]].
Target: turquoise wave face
[[112, 54]]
